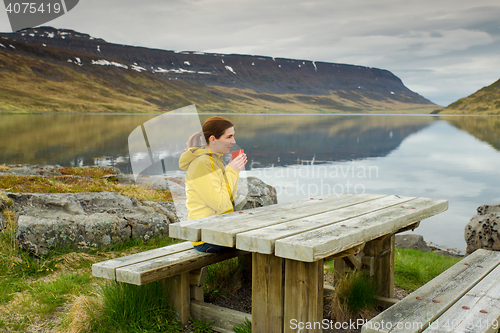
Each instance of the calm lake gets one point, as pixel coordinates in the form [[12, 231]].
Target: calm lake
[[455, 158]]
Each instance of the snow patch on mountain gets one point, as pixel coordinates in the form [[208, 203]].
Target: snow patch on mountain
[[138, 68], [229, 68], [103, 62], [178, 71]]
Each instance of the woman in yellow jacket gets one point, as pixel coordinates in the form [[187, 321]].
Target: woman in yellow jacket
[[210, 185]]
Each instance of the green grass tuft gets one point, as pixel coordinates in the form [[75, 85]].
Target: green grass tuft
[[413, 268], [202, 326], [356, 291], [245, 327]]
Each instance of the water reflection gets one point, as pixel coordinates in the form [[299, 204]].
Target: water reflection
[[453, 158], [269, 140], [66, 139], [486, 128]]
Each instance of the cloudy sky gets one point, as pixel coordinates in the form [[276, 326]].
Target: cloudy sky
[[441, 49]]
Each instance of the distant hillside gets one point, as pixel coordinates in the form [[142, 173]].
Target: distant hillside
[[484, 101], [46, 69]]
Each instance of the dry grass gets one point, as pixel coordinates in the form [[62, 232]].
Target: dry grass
[[78, 318], [79, 180]]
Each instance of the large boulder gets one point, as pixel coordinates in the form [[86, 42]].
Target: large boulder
[[483, 230], [86, 220], [253, 192], [46, 221]]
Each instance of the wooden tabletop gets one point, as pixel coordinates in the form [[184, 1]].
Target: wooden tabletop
[[312, 229]]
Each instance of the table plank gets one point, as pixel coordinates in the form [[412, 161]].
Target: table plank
[[225, 233], [446, 288], [323, 242], [483, 296], [262, 240], [262, 216], [106, 269]]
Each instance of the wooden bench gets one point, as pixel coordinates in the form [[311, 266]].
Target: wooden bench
[[179, 268], [464, 298]]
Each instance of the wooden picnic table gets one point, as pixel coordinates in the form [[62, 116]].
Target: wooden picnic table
[[290, 241]]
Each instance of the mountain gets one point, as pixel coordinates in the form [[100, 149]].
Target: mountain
[[46, 69], [485, 101]]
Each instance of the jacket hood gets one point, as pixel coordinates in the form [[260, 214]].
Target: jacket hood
[[191, 154]]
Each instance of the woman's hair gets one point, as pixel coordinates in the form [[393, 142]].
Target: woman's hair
[[215, 126]]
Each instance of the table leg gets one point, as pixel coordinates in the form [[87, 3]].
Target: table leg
[[382, 251], [303, 296], [178, 290], [267, 293]]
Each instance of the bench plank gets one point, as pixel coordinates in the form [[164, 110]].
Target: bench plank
[[484, 296], [262, 240], [107, 269], [173, 264], [262, 216], [323, 242], [446, 288]]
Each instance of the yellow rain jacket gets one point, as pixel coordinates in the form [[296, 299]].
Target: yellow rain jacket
[[207, 192]]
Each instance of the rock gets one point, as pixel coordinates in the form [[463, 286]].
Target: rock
[[31, 170], [121, 179], [253, 192], [86, 220], [487, 209], [411, 241], [483, 230]]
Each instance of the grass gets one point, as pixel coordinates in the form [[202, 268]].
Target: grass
[[245, 327], [61, 285], [128, 308], [413, 268], [223, 278]]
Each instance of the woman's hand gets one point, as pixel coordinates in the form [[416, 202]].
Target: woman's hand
[[239, 162]]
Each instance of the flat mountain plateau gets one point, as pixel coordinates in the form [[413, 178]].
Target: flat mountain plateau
[[58, 70]]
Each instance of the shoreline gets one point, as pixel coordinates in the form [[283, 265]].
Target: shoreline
[[406, 240]]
